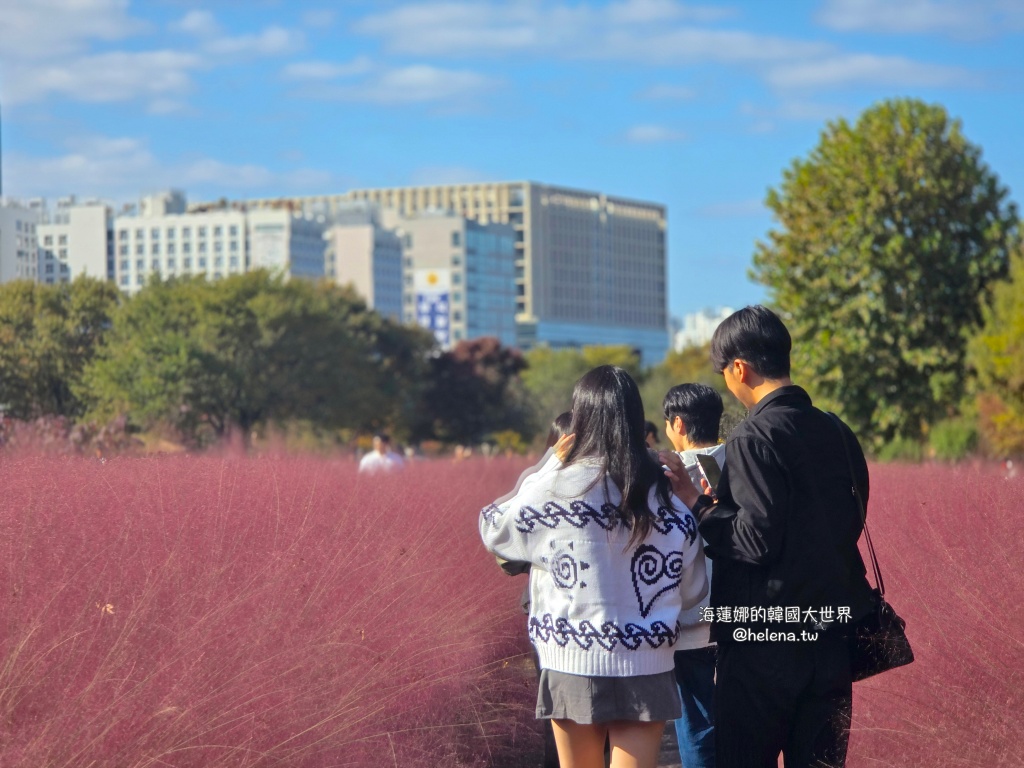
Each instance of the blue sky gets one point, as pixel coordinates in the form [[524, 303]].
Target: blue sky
[[699, 106]]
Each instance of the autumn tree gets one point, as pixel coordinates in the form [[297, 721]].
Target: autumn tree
[[996, 354], [889, 234]]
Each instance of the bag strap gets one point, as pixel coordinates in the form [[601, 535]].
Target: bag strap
[[860, 506]]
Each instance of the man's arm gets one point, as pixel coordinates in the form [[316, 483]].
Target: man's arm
[[748, 523]]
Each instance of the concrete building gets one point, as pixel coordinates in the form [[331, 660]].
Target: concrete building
[[362, 253], [698, 327], [76, 239], [285, 242], [165, 240], [19, 249], [589, 268], [458, 274]]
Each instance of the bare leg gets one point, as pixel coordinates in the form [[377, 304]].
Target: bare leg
[[635, 744], [580, 745]]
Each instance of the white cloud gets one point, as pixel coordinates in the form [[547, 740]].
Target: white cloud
[[955, 18], [416, 84], [35, 29], [639, 30], [326, 70], [652, 134], [866, 69], [668, 93], [272, 41], [123, 168], [105, 77], [199, 23]]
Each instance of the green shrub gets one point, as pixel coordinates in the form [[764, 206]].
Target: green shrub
[[901, 449], [953, 439]]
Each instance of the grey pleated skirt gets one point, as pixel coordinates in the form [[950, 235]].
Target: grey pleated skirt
[[588, 700]]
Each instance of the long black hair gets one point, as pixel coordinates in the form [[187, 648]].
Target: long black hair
[[608, 422]]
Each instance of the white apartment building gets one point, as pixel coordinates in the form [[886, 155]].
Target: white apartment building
[[458, 276], [19, 250], [698, 327], [168, 239], [589, 268], [164, 240], [76, 239], [362, 253]]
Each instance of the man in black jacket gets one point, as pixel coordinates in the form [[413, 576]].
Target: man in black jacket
[[789, 579]]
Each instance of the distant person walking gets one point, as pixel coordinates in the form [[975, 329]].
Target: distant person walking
[[693, 417], [381, 458], [615, 560], [783, 538]]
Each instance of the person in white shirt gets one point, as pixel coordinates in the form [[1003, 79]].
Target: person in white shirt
[[693, 416], [381, 458], [615, 560]]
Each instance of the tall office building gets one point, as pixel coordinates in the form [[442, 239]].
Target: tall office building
[[76, 239], [19, 251], [363, 253], [590, 268], [458, 274]]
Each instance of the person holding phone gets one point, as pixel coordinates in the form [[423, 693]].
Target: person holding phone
[[693, 415]]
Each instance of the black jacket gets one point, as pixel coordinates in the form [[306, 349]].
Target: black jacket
[[784, 533]]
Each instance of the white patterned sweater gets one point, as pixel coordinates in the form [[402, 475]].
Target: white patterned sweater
[[598, 606]]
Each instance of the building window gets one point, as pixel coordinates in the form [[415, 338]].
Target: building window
[[456, 239], [456, 261], [234, 245], [125, 265], [186, 263], [170, 248], [202, 262], [49, 269], [62, 240], [186, 247], [407, 240], [63, 253], [218, 261], [155, 265], [202, 231], [456, 279], [124, 279], [233, 261], [186, 231], [122, 234], [154, 233], [140, 249], [202, 246], [457, 296], [233, 231], [48, 240], [155, 250], [140, 264], [218, 246], [139, 279], [170, 263], [456, 316], [170, 233], [216, 231]]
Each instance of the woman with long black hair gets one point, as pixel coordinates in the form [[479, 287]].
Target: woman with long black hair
[[615, 558]]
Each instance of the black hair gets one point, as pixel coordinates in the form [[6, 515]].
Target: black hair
[[756, 335], [650, 429], [559, 428], [384, 437], [700, 407], [608, 421]]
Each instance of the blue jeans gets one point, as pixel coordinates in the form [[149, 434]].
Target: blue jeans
[[695, 730]]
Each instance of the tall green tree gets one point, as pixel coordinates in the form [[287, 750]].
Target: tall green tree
[[996, 354], [889, 234], [551, 374], [206, 358], [48, 335]]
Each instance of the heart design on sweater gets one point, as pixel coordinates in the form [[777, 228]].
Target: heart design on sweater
[[654, 573]]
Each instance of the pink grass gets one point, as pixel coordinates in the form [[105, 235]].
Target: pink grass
[[206, 611], [949, 541]]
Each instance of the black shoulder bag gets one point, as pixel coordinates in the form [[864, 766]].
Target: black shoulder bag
[[878, 641]]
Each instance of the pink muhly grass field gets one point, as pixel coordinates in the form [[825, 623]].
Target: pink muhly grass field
[[205, 611], [949, 542]]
